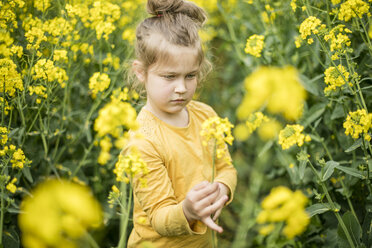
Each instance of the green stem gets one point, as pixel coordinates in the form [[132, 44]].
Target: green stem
[[2, 216], [335, 210], [81, 163], [348, 199], [91, 240], [214, 159], [125, 220]]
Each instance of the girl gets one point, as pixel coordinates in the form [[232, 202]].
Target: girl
[[178, 203]]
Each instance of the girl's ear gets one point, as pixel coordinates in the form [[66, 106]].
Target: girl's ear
[[138, 69]]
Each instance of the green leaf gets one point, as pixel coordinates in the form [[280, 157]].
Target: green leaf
[[355, 145], [302, 168], [338, 112], [311, 85], [318, 208], [26, 172], [353, 227], [313, 114], [328, 170], [351, 171]]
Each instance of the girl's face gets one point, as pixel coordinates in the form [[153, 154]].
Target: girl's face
[[170, 85]]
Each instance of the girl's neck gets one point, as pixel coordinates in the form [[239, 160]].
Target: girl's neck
[[180, 119]]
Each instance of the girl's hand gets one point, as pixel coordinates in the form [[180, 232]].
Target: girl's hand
[[224, 191], [201, 202]]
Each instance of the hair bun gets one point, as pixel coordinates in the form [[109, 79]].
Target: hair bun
[[161, 7]]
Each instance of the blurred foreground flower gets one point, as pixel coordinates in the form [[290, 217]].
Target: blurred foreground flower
[[58, 214], [219, 131], [283, 205], [291, 135], [278, 89]]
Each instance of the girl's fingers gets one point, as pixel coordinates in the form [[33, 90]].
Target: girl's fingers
[[210, 223], [208, 200], [206, 191], [215, 206], [200, 185], [217, 214]]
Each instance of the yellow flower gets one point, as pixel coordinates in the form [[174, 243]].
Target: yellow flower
[[255, 44], [98, 83], [46, 70], [217, 130], [269, 130], [292, 135], [105, 155], [114, 117], [42, 5], [38, 90], [129, 166], [3, 135], [335, 77], [18, 159], [353, 8], [58, 213], [357, 123], [11, 186], [309, 26], [278, 89], [10, 78], [60, 55], [283, 205]]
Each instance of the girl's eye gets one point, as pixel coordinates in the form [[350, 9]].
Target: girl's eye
[[191, 76], [168, 76]]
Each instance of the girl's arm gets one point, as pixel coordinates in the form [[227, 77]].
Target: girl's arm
[[158, 200]]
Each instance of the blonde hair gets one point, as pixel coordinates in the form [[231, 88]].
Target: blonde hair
[[175, 22]]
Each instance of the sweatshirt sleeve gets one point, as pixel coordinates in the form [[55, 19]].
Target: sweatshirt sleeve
[[157, 199]]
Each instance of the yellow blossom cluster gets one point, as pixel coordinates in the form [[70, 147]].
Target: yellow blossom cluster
[[104, 155], [114, 117], [98, 83], [18, 160], [309, 26], [217, 130], [38, 90], [4, 103], [57, 214], [243, 131], [353, 8], [60, 55], [335, 77], [41, 5], [46, 70], [11, 186], [101, 16], [114, 195], [255, 44], [269, 130], [112, 60], [269, 15], [284, 205], [358, 123], [276, 88], [339, 41], [292, 135], [3, 135], [8, 19], [10, 79], [130, 165]]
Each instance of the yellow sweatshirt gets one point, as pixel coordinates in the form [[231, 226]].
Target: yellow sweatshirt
[[177, 161]]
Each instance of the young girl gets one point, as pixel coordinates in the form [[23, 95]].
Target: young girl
[[179, 204]]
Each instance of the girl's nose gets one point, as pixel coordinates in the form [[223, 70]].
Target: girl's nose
[[180, 86]]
